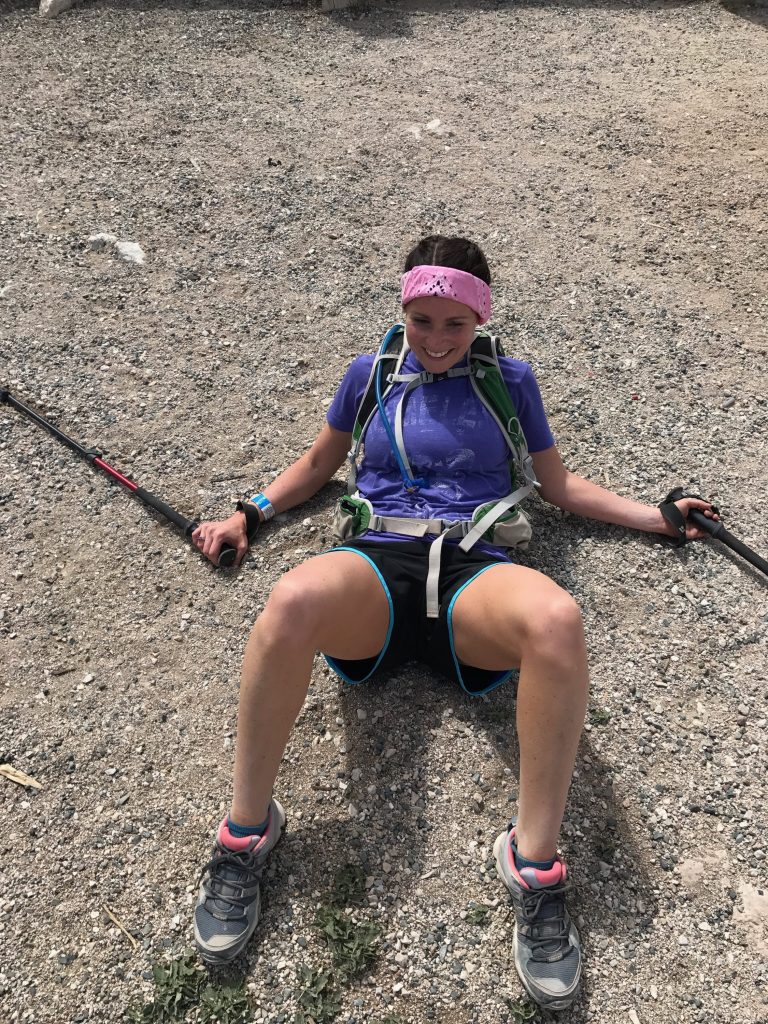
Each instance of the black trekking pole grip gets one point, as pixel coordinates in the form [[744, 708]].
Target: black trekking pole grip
[[227, 555], [716, 529]]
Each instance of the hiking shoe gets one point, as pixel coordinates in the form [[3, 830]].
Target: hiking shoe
[[229, 899], [546, 944]]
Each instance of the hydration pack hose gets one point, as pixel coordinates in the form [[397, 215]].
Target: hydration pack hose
[[410, 483]]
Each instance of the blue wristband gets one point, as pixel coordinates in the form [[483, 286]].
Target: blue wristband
[[264, 505]]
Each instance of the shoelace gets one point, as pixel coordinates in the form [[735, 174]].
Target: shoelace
[[247, 866], [532, 901]]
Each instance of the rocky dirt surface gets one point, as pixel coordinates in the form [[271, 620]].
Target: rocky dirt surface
[[274, 164]]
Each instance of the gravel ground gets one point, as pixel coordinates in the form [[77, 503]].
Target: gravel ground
[[274, 164]]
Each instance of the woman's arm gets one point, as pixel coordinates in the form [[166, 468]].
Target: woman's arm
[[575, 494], [296, 484]]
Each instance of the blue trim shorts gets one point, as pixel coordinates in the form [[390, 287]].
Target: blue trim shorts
[[401, 567]]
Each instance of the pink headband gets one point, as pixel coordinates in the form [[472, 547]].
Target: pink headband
[[447, 283]]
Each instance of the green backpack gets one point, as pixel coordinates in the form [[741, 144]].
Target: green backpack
[[499, 522]]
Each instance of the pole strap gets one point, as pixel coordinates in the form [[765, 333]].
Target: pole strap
[[675, 517]]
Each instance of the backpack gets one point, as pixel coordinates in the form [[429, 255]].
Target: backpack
[[499, 522]]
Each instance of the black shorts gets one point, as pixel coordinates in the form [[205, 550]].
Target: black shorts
[[402, 570]]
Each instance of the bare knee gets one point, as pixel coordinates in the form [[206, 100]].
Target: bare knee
[[555, 628], [290, 614]]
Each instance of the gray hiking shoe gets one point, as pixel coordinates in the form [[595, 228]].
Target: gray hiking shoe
[[546, 944], [229, 899]]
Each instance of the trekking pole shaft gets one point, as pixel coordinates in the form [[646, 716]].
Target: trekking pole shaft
[[42, 422], [719, 532], [187, 526]]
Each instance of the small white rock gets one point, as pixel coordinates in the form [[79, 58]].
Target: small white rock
[[131, 252], [50, 8]]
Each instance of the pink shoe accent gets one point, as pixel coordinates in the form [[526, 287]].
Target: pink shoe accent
[[536, 878], [234, 843]]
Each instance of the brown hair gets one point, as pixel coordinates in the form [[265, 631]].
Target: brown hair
[[445, 251]]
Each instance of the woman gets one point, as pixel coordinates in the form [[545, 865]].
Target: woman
[[437, 460]]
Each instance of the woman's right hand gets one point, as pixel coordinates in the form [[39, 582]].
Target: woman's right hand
[[210, 537]]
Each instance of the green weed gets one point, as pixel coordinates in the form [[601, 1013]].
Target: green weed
[[225, 1004], [521, 1010], [352, 944], [477, 914], [348, 887], [319, 1003], [182, 988], [599, 716], [177, 988]]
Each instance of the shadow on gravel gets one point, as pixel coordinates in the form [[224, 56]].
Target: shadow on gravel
[[756, 11], [613, 898], [12, 6], [613, 894], [749, 570], [396, 18]]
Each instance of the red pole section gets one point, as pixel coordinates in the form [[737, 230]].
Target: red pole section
[[115, 475]]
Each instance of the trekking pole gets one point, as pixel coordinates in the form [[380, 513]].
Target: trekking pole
[[187, 526], [717, 530]]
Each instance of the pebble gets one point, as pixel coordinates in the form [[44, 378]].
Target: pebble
[[131, 252], [52, 8]]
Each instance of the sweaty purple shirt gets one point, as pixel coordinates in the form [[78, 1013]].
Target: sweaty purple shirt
[[450, 438]]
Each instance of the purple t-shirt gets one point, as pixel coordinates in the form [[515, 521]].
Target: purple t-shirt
[[450, 438]]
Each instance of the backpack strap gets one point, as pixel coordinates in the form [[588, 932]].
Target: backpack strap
[[388, 360], [491, 388]]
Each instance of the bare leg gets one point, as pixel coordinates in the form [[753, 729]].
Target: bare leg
[[334, 603], [514, 616]]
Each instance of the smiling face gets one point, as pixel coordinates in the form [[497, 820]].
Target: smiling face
[[440, 331]]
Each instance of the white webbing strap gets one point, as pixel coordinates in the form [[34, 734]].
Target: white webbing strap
[[355, 449], [413, 527], [493, 514], [433, 573]]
